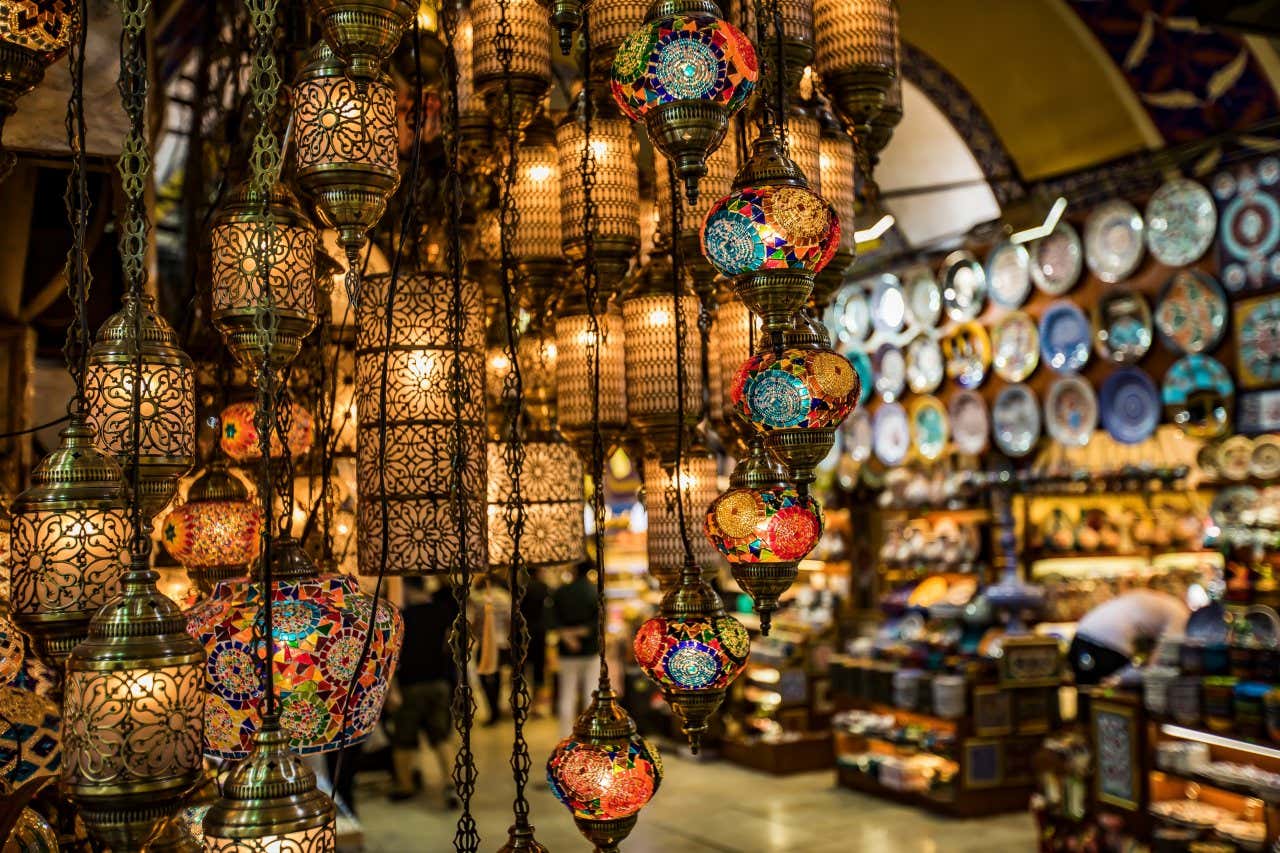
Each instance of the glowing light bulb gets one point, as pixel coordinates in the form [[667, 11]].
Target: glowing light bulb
[[600, 148], [659, 317], [539, 172]]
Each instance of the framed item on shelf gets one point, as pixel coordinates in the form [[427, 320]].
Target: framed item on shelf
[[983, 764], [992, 712], [1030, 661], [1258, 342], [1116, 744], [1031, 708], [1259, 412]]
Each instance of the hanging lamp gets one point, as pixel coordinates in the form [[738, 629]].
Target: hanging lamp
[[612, 21], [238, 432], [722, 167], [835, 164], [33, 36], [695, 484], [536, 243], [551, 495], [527, 78], [887, 118], [734, 332], [574, 335], [804, 143], [364, 33], [215, 535], [857, 46], [566, 17], [685, 72]]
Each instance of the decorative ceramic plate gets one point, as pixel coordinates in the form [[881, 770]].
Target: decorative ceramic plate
[[1249, 231], [1234, 505], [1265, 461], [1065, 336], [1015, 420], [1235, 456], [892, 434], [857, 435], [1191, 315], [1122, 325], [1258, 341], [853, 315], [967, 351], [891, 372], [1015, 347], [1057, 260], [970, 423], [1207, 460], [1197, 394], [866, 376], [1181, 222], [924, 296], [929, 427], [1113, 240], [888, 305], [964, 286], [1071, 411], [1009, 275], [924, 365], [1130, 405]]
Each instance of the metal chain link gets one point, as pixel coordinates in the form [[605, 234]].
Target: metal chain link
[[76, 199], [680, 480], [773, 115]]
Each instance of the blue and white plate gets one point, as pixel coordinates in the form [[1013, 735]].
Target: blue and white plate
[[1197, 394], [1065, 335], [857, 435], [853, 315], [892, 429], [925, 365], [1009, 275], [1130, 405], [1015, 420]]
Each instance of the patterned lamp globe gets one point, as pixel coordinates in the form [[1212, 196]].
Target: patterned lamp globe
[[796, 397], [575, 335], [168, 405], [363, 32], [320, 622], [239, 433], [551, 495], [237, 282], [772, 235], [215, 534], [33, 36], [604, 772], [764, 527], [70, 536], [685, 72]]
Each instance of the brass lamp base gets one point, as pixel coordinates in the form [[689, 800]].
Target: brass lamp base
[[695, 709], [774, 296], [859, 95], [126, 828], [765, 582], [801, 450], [687, 132], [365, 33], [520, 840], [606, 835]]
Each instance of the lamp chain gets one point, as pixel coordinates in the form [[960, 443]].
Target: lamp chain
[[76, 198], [682, 485], [773, 9], [466, 838]]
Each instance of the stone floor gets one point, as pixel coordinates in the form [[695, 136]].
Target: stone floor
[[703, 806]]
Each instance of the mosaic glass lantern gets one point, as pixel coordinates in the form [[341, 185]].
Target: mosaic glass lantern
[[529, 78], [536, 195], [71, 531], [796, 397], [685, 72], [857, 47], [764, 527], [237, 283], [347, 146], [364, 33], [239, 433], [771, 235], [320, 623], [33, 36], [551, 494], [695, 485], [215, 534], [604, 772], [611, 22], [134, 712], [574, 337], [168, 405], [30, 735], [615, 229], [415, 476], [835, 165], [649, 322], [722, 166]]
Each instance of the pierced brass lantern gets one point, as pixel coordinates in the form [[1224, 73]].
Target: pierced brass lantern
[[364, 33], [529, 77], [835, 165], [574, 338], [857, 47], [33, 36]]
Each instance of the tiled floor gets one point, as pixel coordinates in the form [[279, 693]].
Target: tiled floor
[[701, 807]]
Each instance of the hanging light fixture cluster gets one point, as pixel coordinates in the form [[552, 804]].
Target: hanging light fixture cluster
[[29, 44], [525, 77]]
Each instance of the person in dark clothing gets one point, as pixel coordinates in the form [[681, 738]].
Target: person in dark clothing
[[534, 607], [574, 615], [423, 689]]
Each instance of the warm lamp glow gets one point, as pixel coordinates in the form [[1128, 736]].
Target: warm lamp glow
[[551, 494], [239, 433], [573, 371], [663, 486]]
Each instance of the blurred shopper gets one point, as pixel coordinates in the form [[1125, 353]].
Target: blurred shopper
[[573, 614], [1111, 634]]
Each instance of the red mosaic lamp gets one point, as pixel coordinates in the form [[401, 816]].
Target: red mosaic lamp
[[215, 534], [239, 434]]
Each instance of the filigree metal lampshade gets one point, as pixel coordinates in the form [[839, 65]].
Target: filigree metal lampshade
[[771, 235], [611, 22], [796, 397], [804, 142], [215, 534], [237, 282], [536, 195], [574, 336], [551, 493], [530, 66], [857, 43], [764, 527], [695, 484], [239, 433], [722, 166], [320, 624], [731, 335], [134, 712], [415, 480], [604, 772], [347, 146], [71, 531], [33, 36], [363, 32], [615, 193], [835, 164], [685, 72], [168, 406]]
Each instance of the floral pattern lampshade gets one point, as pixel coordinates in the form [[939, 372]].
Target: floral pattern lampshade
[[606, 779], [240, 439], [764, 525], [770, 228], [692, 653]]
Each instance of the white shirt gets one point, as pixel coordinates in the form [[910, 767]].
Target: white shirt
[[1142, 614]]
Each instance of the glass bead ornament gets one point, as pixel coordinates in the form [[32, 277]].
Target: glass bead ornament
[[215, 535], [320, 622], [238, 295], [551, 494], [364, 33], [238, 435], [33, 36], [835, 165], [796, 397], [764, 527], [857, 49], [685, 73], [168, 405], [694, 483], [604, 772], [574, 337], [528, 78], [772, 235], [71, 532], [133, 713]]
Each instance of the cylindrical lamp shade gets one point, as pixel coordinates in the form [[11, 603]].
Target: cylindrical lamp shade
[[857, 43], [237, 281], [239, 435], [804, 142], [168, 405], [536, 194], [70, 531], [615, 194], [732, 335], [464, 50], [215, 534], [611, 22], [662, 488], [651, 364], [835, 166], [551, 492], [414, 477], [574, 336], [529, 75]]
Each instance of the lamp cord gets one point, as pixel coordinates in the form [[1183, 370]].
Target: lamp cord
[[681, 476], [76, 199]]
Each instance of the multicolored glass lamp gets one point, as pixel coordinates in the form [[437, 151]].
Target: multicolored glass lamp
[[238, 437], [33, 36], [215, 534], [363, 32], [772, 235], [604, 772], [764, 527], [685, 73], [796, 397]]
